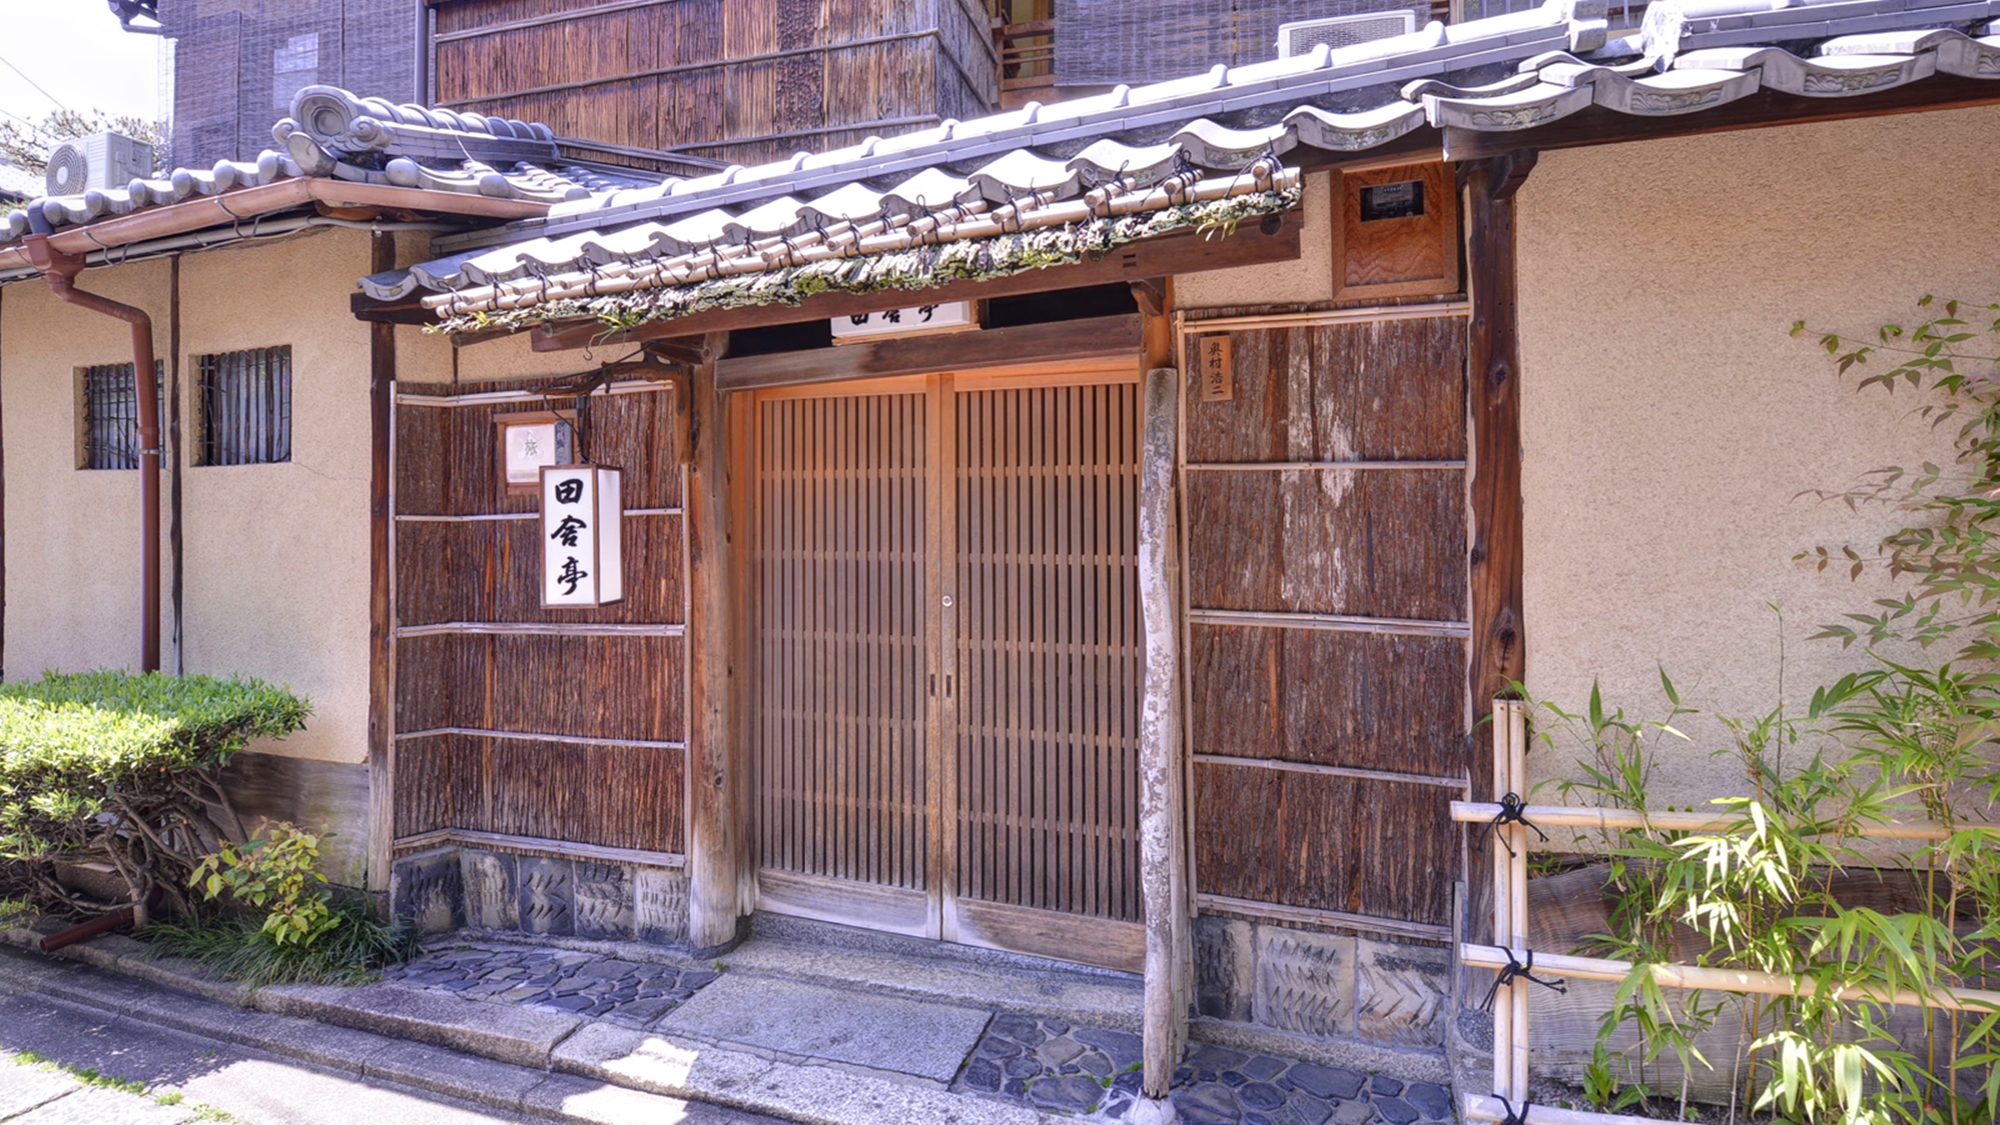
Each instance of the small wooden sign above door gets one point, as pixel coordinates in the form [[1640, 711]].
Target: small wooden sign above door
[[583, 516], [950, 316]]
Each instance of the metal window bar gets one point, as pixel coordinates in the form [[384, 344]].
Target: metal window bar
[[111, 415], [246, 407]]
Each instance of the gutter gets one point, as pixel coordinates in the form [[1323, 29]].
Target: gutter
[[62, 269]]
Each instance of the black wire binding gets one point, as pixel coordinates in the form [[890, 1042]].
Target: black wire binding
[[1513, 810], [1516, 970], [1514, 1116]]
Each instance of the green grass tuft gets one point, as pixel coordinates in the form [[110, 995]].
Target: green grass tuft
[[238, 949]]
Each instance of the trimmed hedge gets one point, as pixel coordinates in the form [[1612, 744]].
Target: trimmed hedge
[[125, 769]]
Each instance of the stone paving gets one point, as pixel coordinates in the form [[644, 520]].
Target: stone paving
[[1094, 1072], [1054, 1066], [631, 993]]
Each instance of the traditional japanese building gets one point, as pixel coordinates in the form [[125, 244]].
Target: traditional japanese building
[[1287, 410]]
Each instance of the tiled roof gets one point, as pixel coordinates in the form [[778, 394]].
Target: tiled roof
[[338, 135], [1503, 74]]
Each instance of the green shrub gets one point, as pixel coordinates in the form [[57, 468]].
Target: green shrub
[[125, 769], [276, 871]]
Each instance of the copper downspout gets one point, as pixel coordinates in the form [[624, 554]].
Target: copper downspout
[[61, 269]]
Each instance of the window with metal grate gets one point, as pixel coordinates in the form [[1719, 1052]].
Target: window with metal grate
[[108, 415], [243, 413]]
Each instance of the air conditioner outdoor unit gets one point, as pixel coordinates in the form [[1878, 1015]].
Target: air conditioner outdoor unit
[[99, 162], [1342, 31]]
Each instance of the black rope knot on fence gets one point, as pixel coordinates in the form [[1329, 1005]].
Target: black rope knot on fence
[[1515, 1116], [1520, 970], [1513, 810]]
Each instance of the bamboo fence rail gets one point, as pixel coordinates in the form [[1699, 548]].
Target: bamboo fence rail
[[1510, 822]]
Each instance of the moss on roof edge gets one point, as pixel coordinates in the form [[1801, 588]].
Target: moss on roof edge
[[920, 267]]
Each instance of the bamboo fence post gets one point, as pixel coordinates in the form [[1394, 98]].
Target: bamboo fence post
[[1503, 903], [1517, 913]]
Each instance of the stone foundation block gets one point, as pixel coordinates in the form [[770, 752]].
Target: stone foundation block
[[428, 889], [490, 891], [543, 897], [1401, 993], [601, 901], [1304, 982], [1225, 960], [660, 905]]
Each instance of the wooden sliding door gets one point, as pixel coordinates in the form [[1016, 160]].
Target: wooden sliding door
[[947, 639]]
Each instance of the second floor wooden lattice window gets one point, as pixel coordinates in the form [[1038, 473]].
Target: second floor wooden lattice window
[[108, 415], [243, 407]]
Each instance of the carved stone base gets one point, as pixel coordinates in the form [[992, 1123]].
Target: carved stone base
[[453, 887], [1322, 984]]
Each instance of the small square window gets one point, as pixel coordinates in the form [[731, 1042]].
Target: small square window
[[107, 415], [243, 407]]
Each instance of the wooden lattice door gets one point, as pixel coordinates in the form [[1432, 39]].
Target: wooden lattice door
[[945, 623]]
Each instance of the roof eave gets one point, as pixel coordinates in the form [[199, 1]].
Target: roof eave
[[230, 208]]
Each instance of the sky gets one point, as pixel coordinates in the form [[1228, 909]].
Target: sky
[[97, 65]]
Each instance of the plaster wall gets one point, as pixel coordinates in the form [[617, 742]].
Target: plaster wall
[[1306, 279], [1671, 423], [275, 570]]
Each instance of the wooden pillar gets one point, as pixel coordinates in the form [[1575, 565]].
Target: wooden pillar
[[716, 843], [381, 622], [1162, 799], [1498, 656], [176, 556]]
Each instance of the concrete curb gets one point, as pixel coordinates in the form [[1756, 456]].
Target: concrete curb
[[525, 1061]]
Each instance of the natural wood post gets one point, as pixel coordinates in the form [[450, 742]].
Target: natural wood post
[[381, 624], [1493, 365], [715, 844], [1162, 862]]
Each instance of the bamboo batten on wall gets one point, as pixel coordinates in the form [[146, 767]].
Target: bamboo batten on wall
[[744, 81], [512, 720], [1325, 585]]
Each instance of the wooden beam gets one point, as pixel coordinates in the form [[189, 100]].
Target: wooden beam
[[716, 846], [1600, 126], [1090, 338], [1495, 550], [1184, 252], [1163, 871], [381, 621]]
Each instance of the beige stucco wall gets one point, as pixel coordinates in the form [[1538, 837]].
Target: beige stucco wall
[[1670, 422], [1306, 279], [275, 572]]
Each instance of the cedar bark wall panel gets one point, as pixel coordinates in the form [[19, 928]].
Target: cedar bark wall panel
[[1386, 541], [581, 697], [1367, 700], [1337, 392], [1359, 846], [1373, 544], [490, 571], [615, 687]]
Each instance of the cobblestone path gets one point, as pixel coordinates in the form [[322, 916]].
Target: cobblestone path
[[631, 993]]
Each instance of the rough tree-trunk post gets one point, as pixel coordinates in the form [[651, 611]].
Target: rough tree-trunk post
[[715, 844], [1498, 656], [1162, 859]]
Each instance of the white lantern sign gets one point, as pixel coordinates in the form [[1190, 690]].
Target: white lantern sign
[[582, 542]]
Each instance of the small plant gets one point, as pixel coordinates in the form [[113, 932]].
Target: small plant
[[268, 915], [277, 872]]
